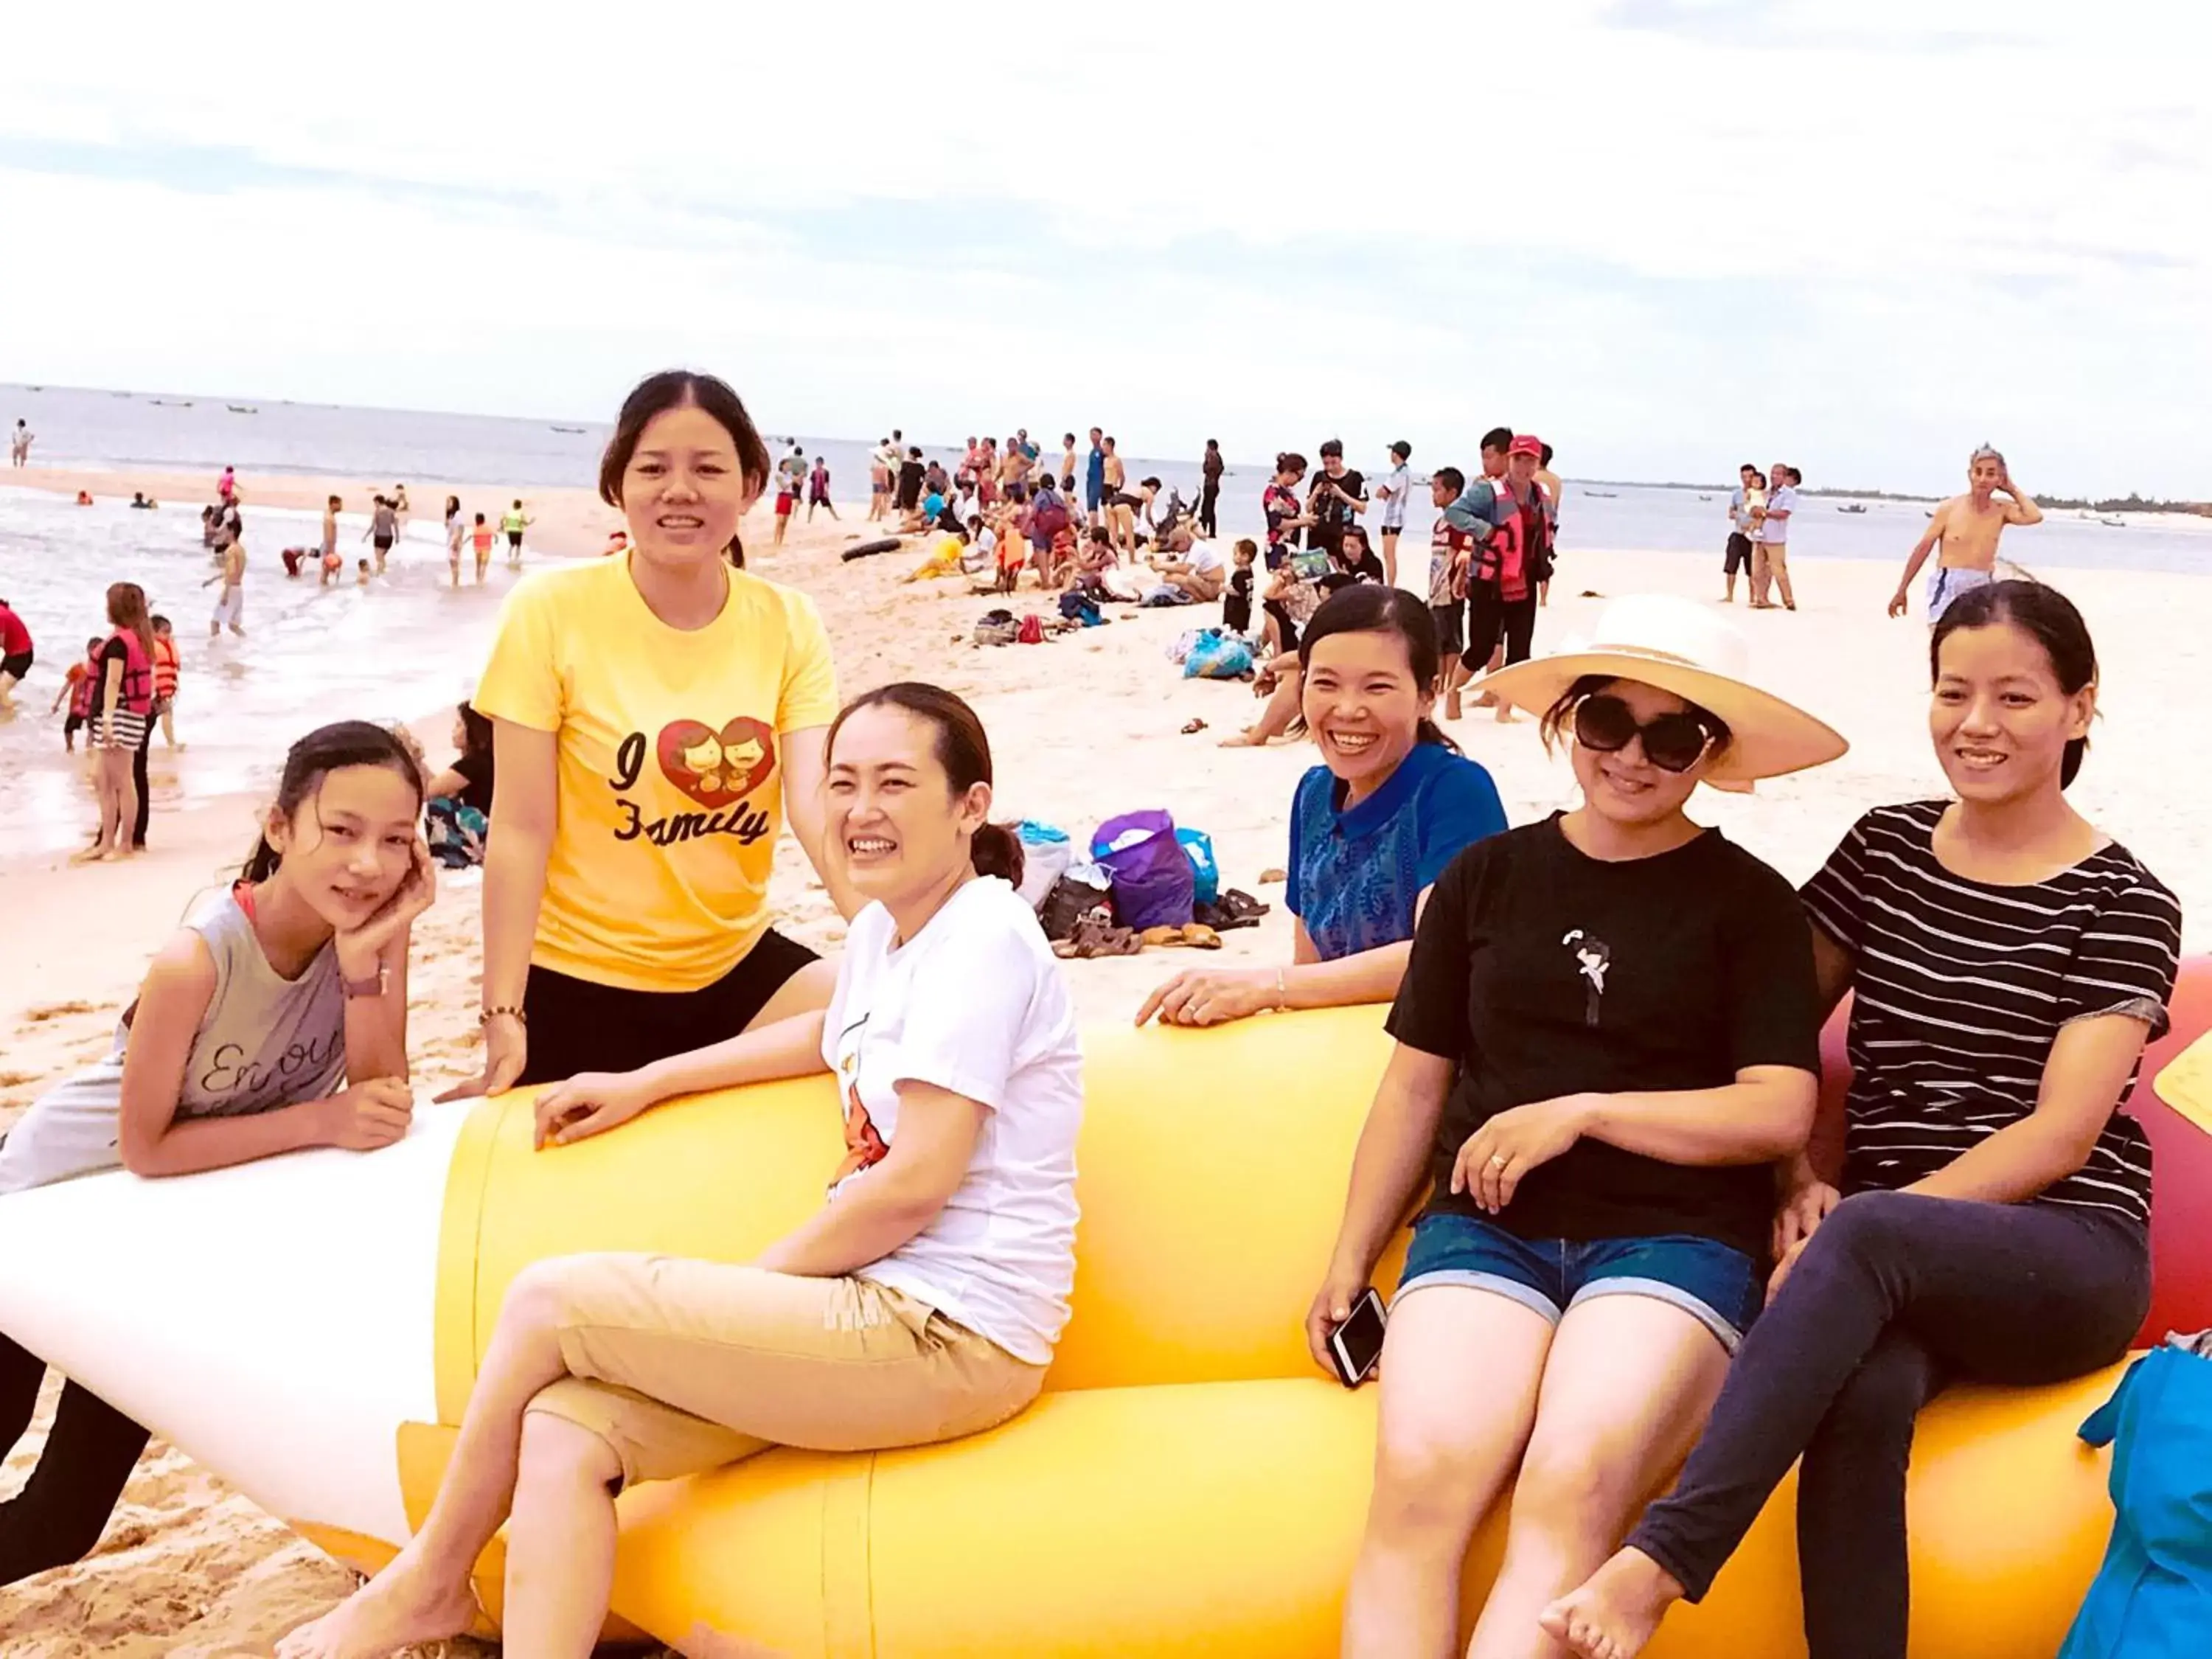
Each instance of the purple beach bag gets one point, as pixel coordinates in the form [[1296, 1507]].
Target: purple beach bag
[[1153, 883]]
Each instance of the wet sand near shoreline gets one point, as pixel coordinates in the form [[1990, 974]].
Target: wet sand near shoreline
[[1082, 728]]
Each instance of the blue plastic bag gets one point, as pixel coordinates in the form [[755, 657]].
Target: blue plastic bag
[[1217, 656], [2151, 1598], [1205, 874]]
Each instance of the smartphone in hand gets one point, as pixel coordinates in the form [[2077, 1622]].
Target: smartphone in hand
[[1357, 1343]]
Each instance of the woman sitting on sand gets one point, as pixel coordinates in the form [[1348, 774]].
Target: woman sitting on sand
[[457, 816], [920, 1304], [122, 704], [2010, 961], [1607, 1033], [1372, 827], [652, 715], [275, 1019]]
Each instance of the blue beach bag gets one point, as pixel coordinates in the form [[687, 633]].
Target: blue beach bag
[[2151, 1598], [1204, 873]]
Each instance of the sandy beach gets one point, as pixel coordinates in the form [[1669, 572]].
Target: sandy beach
[[1084, 727]]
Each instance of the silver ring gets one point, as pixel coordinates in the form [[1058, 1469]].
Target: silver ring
[[1499, 1163]]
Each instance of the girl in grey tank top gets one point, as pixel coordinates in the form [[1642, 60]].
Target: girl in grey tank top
[[276, 1019]]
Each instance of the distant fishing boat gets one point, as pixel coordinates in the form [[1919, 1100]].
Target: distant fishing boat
[[170, 403], [1604, 494], [1705, 498], [241, 409], [568, 429], [1854, 506], [2116, 524]]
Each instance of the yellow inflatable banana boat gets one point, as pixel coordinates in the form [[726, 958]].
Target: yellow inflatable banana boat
[[309, 1328]]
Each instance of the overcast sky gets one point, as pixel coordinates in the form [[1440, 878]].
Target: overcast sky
[[1667, 234]]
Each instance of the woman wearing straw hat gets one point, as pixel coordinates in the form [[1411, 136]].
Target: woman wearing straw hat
[[1607, 1034], [2009, 962]]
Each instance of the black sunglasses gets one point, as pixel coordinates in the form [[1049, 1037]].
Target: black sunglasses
[[1672, 742]]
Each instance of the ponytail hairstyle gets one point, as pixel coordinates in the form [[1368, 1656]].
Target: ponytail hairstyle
[[683, 388], [330, 748], [1378, 608], [126, 609], [2045, 616], [962, 750]]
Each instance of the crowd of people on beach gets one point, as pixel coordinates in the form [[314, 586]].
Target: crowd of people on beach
[[1601, 1097]]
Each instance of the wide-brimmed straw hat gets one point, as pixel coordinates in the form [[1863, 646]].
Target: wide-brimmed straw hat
[[1682, 647]]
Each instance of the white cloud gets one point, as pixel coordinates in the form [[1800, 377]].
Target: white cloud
[[1869, 231]]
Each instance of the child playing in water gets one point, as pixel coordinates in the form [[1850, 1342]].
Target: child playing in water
[[76, 686], [361, 579], [480, 536], [277, 1018], [168, 665]]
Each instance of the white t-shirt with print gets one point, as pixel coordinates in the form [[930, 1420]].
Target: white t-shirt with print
[[1398, 480], [974, 1004]]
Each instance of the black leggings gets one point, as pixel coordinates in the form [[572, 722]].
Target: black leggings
[[145, 789], [1208, 498], [89, 1455], [1896, 1295], [1490, 619]]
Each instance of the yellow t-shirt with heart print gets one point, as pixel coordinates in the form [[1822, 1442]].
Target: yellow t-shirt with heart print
[[670, 776]]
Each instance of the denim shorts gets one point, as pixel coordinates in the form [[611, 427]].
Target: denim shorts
[[1716, 1285]]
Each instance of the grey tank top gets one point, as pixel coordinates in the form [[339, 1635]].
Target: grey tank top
[[265, 1041]]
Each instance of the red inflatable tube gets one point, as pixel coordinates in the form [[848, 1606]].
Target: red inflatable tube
[[2181, 1161]]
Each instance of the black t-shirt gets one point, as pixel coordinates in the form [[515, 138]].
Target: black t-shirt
[[909, 485], [1330, 515], [1544, 972], [478, 791]]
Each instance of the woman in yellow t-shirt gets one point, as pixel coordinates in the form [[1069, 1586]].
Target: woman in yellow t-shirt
[[654, 714]]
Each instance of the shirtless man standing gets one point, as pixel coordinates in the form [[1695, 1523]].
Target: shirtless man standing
[[1968, 526]]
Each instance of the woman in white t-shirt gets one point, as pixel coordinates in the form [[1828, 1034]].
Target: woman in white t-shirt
[[920, 1303]]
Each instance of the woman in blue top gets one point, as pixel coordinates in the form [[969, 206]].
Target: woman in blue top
[[1372, 827]]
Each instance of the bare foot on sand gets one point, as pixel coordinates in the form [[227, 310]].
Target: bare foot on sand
[[397, 1608], [87, 855], [1244, 740], [1617, 1608]]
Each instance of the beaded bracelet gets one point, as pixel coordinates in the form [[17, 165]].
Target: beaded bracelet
[[491, 1014]]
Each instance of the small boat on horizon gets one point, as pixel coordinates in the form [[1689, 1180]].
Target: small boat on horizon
[[1604, 494], [241, 409], [568, 428], [1852, 507], [169, 403], [2115, 524], [1705, 498]]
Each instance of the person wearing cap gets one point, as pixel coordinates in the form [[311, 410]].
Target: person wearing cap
[[1393, 488], [1505, 586], [1987, 1220], [1607, 1033], [1966, 527]]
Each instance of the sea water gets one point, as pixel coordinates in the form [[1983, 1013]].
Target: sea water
[[406, 644], [311, 655], [199, 431]]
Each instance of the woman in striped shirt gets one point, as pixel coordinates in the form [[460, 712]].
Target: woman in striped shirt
[[2010, 961]]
